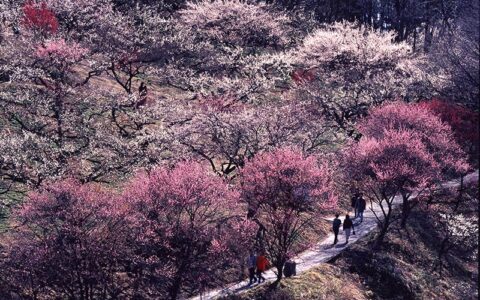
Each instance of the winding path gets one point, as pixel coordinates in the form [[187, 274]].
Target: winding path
[[324, 250]]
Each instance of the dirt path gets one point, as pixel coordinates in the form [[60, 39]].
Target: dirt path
[[324, 250]]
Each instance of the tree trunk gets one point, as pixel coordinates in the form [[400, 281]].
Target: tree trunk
[[381, 235], [441, 252], [415, 39], [174, 290], [279, 267], [405, 210], [384, 226], [428, 36]]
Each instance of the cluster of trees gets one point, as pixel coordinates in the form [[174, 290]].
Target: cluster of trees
[[170, 231], [92, 91], [177, 230], [80, 86]]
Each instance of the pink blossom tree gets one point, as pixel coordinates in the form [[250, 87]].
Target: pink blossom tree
[[437, 136], [189, 228], [68, 240], [285, 192], [404, 149], [381, 168]]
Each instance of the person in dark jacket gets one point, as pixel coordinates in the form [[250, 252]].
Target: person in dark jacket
[[336, 227], [354, 203], [289, 269], [362, 204], [251, 264], [347, 227]]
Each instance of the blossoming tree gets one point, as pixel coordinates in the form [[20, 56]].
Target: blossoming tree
[[69, 240], [230, 47], [226, 134], [57, 121], [189, 227], [404, 149], [285, 192], [354, 68]]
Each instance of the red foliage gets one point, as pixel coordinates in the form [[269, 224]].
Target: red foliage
[[463, 121], [39, 17], [301, 76]]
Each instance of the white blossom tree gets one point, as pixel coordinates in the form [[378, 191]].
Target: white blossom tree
[[72, 98], [229, 47], [352, 68]]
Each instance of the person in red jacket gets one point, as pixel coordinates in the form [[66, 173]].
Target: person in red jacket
[[262, 264]]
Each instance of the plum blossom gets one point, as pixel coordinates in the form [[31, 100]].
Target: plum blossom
[[61, 50], [286, 192], [189, 219]]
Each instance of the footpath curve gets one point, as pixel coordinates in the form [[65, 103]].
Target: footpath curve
[[324, 250]]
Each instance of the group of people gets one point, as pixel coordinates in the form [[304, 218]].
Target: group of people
[[257, 264], [358, 204]]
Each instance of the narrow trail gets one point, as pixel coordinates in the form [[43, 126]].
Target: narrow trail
[[324, 250]]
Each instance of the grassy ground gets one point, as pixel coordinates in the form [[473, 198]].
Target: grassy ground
[[324, 282]]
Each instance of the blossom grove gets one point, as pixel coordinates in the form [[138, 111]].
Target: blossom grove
[[147, 146]]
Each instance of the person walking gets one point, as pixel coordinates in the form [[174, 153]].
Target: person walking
[[262, 263], [290, 268], [251, 264], [354, 203], [347, 227], [336, 228], [362, 204]]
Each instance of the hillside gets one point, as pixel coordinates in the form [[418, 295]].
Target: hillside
[[158, 151], [405, 267]]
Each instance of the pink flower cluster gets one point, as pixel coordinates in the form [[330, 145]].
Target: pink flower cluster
[[61, 50]]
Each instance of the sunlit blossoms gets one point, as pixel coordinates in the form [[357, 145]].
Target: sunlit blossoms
[[146, 147], [354, 68]]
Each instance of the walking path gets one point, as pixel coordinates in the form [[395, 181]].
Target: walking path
[[323, 251]]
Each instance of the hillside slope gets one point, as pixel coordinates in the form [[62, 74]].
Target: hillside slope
[[406, 267]]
